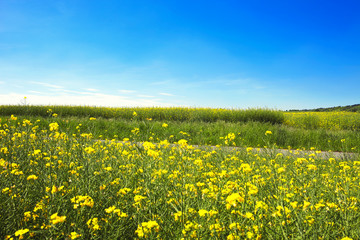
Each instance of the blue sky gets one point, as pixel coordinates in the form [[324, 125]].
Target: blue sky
[[228, 54]]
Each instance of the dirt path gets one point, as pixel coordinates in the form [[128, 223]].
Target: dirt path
[[273, 152]]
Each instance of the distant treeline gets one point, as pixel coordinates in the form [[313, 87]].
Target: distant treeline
[[348, 108], [145, 113]]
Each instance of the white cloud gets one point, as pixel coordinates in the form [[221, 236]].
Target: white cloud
[[83, 100], [91, 90], [48, 85], [126, 91], [167, 94], [166, 82], [144, 96], [36, 92]]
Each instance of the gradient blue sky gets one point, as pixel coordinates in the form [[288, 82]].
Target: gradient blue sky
[[229, 54]]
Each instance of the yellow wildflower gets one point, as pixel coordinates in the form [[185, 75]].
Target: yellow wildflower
[[202, 212], [74, 235], [306, 205], [93, 223], [233, 199], [89, 150], [32, 177], [268, 133], [110, 209], [54, 219], [54, 126], [21, 232]]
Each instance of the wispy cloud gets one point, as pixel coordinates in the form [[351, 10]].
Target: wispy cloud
[[49, 85], [91, 90], [83, 100], [126, 91], [166, 82], [145, 96], [36, 92], [167, 94]]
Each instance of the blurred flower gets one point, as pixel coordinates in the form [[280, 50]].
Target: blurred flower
[[74, 235], [54, 126], [32, 177], [21, 232], [54, 219]]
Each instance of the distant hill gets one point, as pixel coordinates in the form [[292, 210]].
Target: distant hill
[[348, 108]]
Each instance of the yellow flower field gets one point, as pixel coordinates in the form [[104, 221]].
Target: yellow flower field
[[324, 120], [59, 186]]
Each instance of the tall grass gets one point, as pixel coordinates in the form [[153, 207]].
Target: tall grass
[[247, 134], [155, 113], [324, 120]]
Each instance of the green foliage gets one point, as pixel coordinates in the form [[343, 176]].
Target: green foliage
[[156, 113]]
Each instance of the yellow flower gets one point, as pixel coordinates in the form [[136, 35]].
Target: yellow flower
[[146, 227], [182, 142], [306, 205], [138, 198], [294, 204], [21, 232], [54, 126], [5, 190], [37, 151], [202, 212], [32, 177], [110, 209], [261, 204], [346, 238], [134, 114], [252, 190], [177, 216], [311, 167], [249, 215], [249, 235], [92, 119], [245, 168], [89, 150], [93, 223], [82, 201], [74, 235], [268, 133], [108, 169], [233, 199], [54, 219], [124, 191], [164, 125], [232, 236], [153, 153]]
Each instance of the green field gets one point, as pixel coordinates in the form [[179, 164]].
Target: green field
[[59, 181], [339, 131]]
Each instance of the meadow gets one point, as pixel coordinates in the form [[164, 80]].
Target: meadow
[[68, 176], [332, 131]]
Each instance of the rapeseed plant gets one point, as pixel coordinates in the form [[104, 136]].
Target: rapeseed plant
[[56, 185]]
